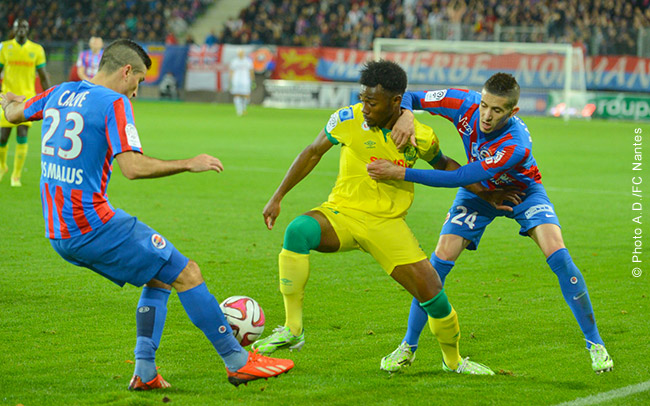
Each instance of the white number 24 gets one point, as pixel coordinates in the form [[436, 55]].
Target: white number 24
[[72, 134], [469, 220]]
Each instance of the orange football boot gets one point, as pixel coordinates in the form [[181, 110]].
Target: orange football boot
[[156, 383], [258, 367]]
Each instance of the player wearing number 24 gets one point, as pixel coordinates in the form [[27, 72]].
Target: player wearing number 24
[[85, 126], [499, 153]]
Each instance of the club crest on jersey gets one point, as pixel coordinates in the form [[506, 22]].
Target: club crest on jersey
[[484, 153], [435, 95], [158, 241], [410, 153], [365, 126]]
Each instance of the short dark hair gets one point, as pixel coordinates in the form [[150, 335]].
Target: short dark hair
[[124, 52], [503, 85], [385, 73]]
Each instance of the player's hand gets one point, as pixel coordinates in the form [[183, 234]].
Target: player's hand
[[205, 162], [498, 197], [403, 131], [7, 98], [271, 212], [382, 169]]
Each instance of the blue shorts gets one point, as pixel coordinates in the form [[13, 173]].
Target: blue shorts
[[469, 214], [124, 250]]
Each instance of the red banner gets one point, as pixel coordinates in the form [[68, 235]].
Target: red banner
[[296, 63]]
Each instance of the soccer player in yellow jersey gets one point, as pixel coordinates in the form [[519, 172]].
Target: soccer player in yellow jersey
[[20, 59], [364, 214]]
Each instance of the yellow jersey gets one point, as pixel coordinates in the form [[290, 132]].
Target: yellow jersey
[[19, 64], [360, 145]]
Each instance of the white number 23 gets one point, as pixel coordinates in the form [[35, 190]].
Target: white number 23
[[70, 133]]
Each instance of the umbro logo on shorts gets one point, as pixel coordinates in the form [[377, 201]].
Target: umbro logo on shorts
[[158, 241]]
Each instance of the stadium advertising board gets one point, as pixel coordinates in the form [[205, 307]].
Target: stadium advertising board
[[303, 94], [621, 73], [608, 105], [621, 106]]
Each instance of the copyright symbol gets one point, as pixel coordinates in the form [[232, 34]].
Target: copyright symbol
[[636, 272]]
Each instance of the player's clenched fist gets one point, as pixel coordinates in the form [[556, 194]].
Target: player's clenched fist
[[382, 169]]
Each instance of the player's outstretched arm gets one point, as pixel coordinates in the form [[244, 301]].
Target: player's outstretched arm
[[301, 167], [135, 165], [495, 197], [13, 106]]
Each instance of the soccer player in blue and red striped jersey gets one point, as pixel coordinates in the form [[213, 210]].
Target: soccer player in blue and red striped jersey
[[86, 125], [88, 60], [499, 154]]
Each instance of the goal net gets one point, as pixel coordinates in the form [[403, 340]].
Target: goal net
[[554, 70]]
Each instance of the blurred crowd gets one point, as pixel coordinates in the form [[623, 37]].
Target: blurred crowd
[[600, 26], [72, 20]]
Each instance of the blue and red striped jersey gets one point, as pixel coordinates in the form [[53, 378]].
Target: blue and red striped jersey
[[505, 155], [89, 62], [84, 127]]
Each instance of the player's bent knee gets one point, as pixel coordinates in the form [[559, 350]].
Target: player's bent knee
[[189, 277], [302, 235]]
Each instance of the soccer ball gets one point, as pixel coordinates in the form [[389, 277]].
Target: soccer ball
[[246, 318]]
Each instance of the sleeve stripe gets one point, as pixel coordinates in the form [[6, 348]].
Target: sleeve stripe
[[120, 121], [332, 139], [436, 158], [446, 103], [40, 66], [38, 115], [496, 145]]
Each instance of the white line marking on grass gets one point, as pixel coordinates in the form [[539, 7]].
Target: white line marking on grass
[[612, 394]]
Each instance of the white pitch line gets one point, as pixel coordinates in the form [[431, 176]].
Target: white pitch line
[[612, 394]]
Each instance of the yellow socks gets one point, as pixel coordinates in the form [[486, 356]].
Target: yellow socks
[[447, 331], [3, 160], [19, 160], [294, 272]]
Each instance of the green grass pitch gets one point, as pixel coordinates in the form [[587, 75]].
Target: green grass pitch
[[67, 335]]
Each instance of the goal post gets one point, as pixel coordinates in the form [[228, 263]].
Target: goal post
[[557, 70]]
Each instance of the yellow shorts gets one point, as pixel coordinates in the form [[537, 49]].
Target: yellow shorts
[[4, 123], [390, 241]]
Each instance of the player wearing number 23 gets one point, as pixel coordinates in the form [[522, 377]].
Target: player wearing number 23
[[86, 125]]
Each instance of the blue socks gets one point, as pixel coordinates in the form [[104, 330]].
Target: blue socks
[[150, 320], [204, 311], [418, 318], [575, 293]]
